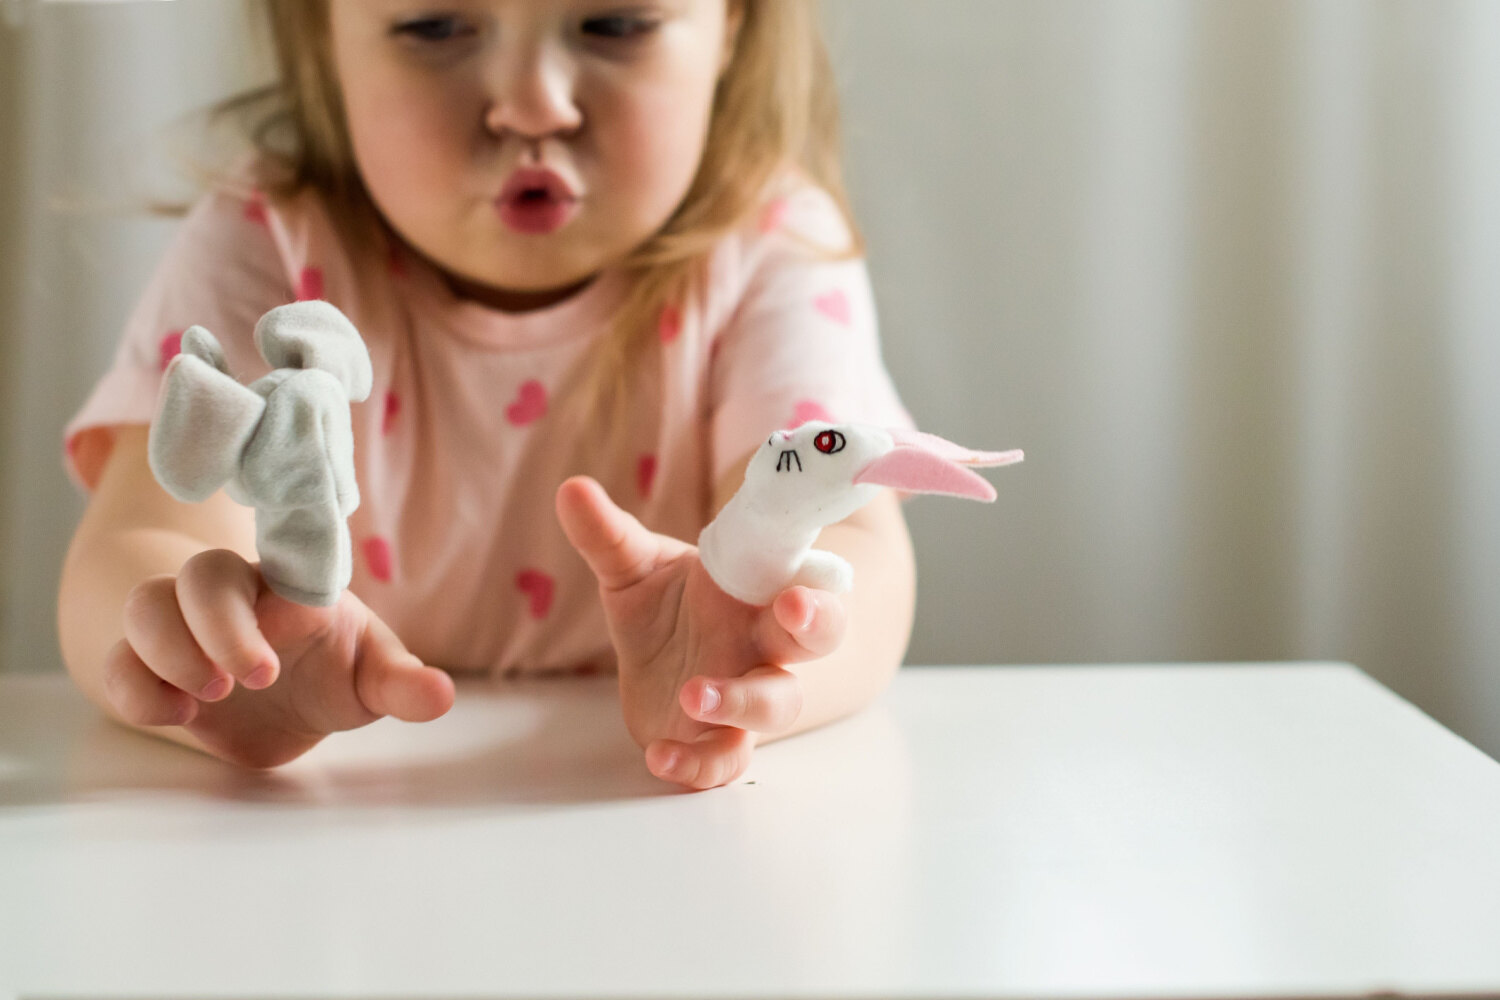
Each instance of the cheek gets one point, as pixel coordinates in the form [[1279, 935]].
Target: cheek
[[407, 136], [658, 138]]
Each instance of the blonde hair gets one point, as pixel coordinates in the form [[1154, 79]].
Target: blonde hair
[[775, 107]]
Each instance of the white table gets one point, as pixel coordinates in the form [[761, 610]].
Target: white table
[[1095, 831]]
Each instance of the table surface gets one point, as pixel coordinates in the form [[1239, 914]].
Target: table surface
[[1187, 830]]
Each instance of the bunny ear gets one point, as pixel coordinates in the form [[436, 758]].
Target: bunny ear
[[314, 334], [944, 448], [918, 470]]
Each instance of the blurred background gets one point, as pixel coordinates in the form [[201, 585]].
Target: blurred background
[[1228, 270]]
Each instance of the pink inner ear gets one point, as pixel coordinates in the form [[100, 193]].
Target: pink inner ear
[[954, 452], [917, 470]]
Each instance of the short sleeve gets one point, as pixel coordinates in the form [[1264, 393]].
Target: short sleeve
[[802, 344], [221, 270]]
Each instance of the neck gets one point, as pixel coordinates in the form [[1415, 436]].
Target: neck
[[507, 300]]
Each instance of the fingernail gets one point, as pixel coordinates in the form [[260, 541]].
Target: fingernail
[[710, 699], [216, 688], [807, 619], [670, 761], [261, 677]]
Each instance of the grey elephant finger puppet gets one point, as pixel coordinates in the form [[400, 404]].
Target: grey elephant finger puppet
[[283, 444], [816, 475]]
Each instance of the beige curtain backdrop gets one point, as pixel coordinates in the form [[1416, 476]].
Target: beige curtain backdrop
[[1228, 270]]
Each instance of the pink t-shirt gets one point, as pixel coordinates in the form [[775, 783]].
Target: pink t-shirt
[[460, 448]]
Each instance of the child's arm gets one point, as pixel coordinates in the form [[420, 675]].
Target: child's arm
[[160, 600], [132, 530]]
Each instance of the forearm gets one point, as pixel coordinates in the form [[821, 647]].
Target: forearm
[[100, 571], [877, 544], [130, 532]]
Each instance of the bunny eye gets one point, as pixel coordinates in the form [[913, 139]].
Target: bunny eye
[[829, 442]]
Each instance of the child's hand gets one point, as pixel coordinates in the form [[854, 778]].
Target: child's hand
[[678, 638], [258, 679]]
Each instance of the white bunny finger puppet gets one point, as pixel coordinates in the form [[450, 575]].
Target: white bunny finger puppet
[[283, 444], [816, 475]]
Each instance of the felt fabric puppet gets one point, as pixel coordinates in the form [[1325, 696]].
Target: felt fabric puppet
[[805, 479], [283, 445]]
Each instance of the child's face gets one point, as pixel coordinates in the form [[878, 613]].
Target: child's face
[[444, 102]]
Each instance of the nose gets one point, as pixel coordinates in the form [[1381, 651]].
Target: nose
[[531, 92]]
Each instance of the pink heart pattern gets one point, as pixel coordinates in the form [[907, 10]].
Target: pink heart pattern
[[378, 557], [810, 409], [392, 407], [310, 284], [645, 474], [170, 347], [670, 324], [530, 404], [255, 208], [538, 588], [835, 305], [774, 215]]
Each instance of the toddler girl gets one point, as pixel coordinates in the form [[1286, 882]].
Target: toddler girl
[[598, 251]]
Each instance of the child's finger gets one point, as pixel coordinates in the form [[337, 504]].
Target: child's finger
[[767, 699], [715, 758], [217, 590], [801, 624], [617, 547], [391, 681], [155, 630], [141, 697]]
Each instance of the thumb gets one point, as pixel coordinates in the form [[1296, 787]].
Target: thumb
[[618, 548], [390, 680]]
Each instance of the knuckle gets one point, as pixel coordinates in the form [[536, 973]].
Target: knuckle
[[828, 626], [209, 577], [144, 601], [126, 692], [722, 768], [239, 656], [702, 773], [114, 678], [211, 565], [789, 706], [738, 700], [768, 701]]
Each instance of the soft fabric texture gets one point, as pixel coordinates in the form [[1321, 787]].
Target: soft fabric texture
[[463, 441], [282, 445], [802, 480]]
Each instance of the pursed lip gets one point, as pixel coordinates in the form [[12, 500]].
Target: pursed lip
[[537, 179]]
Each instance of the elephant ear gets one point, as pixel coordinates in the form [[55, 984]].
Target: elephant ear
[[315, 334], [302, 454], [204, 419], [198, 342]]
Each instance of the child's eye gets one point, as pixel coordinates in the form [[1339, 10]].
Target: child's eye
[[433, 29], [622, 26]]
